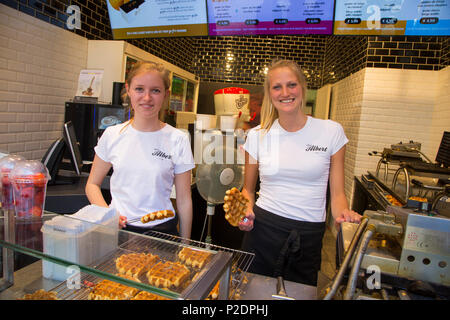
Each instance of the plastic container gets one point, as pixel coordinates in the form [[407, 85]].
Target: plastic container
[[29, 180], [104, 225], [206, 122], [232, 101], [228, 122], [84, 237], [7, 163], [67, 239]]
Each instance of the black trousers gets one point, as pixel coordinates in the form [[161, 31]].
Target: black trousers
[[285, 247], [169, 227]]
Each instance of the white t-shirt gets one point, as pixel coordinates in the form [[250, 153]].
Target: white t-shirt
[[144, 167], [294, 167]]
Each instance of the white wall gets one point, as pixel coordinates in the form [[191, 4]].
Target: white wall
[[379, 107], [441, 115], [39, 68], [347, 98]]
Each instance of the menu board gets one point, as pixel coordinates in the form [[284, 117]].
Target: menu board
[[392, 17], [157, 18], [268, 17]]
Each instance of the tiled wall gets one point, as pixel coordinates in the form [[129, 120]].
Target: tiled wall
[[39, 68], [347, 107], [326, 59], [441, 115], [399, 52], [343, 56], [95, 26], [244, 59], [379, 107]]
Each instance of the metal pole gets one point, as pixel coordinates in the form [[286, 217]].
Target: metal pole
[[8, 254]]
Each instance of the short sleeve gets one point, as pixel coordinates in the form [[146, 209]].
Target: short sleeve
[[251, 143], [339, 138], [183, 160]]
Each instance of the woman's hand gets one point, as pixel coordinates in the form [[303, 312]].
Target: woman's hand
[[246, 224], [347, 215], [122, 222]]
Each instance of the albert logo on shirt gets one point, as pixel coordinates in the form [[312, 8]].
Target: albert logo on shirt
[[161, 154], [312, 147]]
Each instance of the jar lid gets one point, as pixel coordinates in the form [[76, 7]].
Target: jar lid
[[29, 171], [232, 90], [7, 163]]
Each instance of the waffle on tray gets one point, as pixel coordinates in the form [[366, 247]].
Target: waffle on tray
[[235, 206], [193, 258], [157, 215], [144, 295], [135, 264], [40, 295], [168, 274], [109, 290]]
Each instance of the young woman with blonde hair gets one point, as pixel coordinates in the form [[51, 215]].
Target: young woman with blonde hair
[[295, 156], [147, 156]]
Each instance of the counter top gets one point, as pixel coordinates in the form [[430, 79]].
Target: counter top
[[29, 279]]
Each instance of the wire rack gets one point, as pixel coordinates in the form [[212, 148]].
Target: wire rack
[[166, 247]]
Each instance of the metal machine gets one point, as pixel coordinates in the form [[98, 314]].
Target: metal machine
[[393, 254]]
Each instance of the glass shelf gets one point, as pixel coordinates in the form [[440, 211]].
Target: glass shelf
[[94, 248]]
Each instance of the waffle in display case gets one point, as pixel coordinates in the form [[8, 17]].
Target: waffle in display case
[[154, 266]]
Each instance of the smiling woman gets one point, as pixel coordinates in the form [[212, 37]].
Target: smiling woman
[[148, 158], [147, 94], [295, 156], [147, 87]]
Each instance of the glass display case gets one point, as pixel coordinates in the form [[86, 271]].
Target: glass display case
[[84, 260]]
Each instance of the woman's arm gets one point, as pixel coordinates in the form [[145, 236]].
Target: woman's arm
[[250, 178], [98, 172], [184, 202], [93, 190], [339, 204]]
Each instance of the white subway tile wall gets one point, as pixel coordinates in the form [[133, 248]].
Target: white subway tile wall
[[39, 68], [379, 107]]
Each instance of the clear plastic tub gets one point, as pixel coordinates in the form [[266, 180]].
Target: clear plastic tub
[[104, 225], [7, 163], [29, 180], [84, 237], [67, 239]]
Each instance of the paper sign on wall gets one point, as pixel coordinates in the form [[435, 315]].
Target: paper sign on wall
[[90, 83]]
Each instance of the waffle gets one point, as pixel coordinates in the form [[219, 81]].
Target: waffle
[[235, 206], [40, 295], [193, 258], [168, 274], [144, 295], [157, 215], [135, 264], [109, 290]]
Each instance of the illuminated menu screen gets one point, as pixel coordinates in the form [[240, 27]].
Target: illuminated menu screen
[[269, 17], [392, 17], [157, 18]]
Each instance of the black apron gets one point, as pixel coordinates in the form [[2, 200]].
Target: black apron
[[169, 227], [285, 247]]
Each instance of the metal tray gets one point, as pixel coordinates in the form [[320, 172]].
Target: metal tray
[[166, 247]]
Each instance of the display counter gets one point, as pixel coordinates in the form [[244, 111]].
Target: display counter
[[73, 257], [29, 279]]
